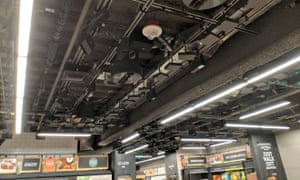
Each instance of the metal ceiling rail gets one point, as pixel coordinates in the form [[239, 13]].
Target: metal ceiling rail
[[286, 39], [96, 71], [71, 45], [188, 14], [194, 35]]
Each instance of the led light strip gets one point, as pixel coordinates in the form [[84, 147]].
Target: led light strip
[[221, 144], [256, 126], [136, 149], [151, 159], [161, 153], [129, 138], [206, 140], [274, 70], [261, 111], [231, 90], [193, 147], [25, 16], [143, 156], [65, 134]]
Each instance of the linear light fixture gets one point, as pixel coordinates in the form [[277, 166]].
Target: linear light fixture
[[25, 16], [129, 138], [65, 134], [143, 156], [264, 110], [274, 70], [206, 140], [203, 103], [257, 126], [193, 147], [221, 144], [136, 149], [221, 94], [151, 159], [176, 115], [161, 153], [232, 89]]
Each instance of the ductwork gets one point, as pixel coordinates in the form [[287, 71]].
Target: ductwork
[[53, 47], [206, 45], [189, 91]]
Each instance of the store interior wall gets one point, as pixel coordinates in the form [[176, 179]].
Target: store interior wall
[[289, 146]]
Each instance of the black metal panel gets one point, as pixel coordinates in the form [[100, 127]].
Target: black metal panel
[[267, 160], [171, 166], [123, 165]]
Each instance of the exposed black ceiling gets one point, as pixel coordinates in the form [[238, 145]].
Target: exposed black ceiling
[[91, 68]]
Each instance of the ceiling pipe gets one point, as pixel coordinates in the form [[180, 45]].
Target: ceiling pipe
[[285, 41], [189, 36], [52, 50], [73, 40], [95, 73], [174, 10]]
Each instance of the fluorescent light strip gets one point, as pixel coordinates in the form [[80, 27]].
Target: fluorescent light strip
[[256, 126], [203, 103], [232, 89], [143, 156], [220, 95], [206, 140], [129, 138], [193, 147], [152, 159], [221, 144], [137, 149], [161, 153], [274, 70], [261, 111], [25, 16], [175, 116], [194, 140], [65, 134]]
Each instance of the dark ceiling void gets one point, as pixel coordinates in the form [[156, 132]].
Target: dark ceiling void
[[112, 68]]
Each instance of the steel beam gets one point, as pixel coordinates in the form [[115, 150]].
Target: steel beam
[[278, 33]]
